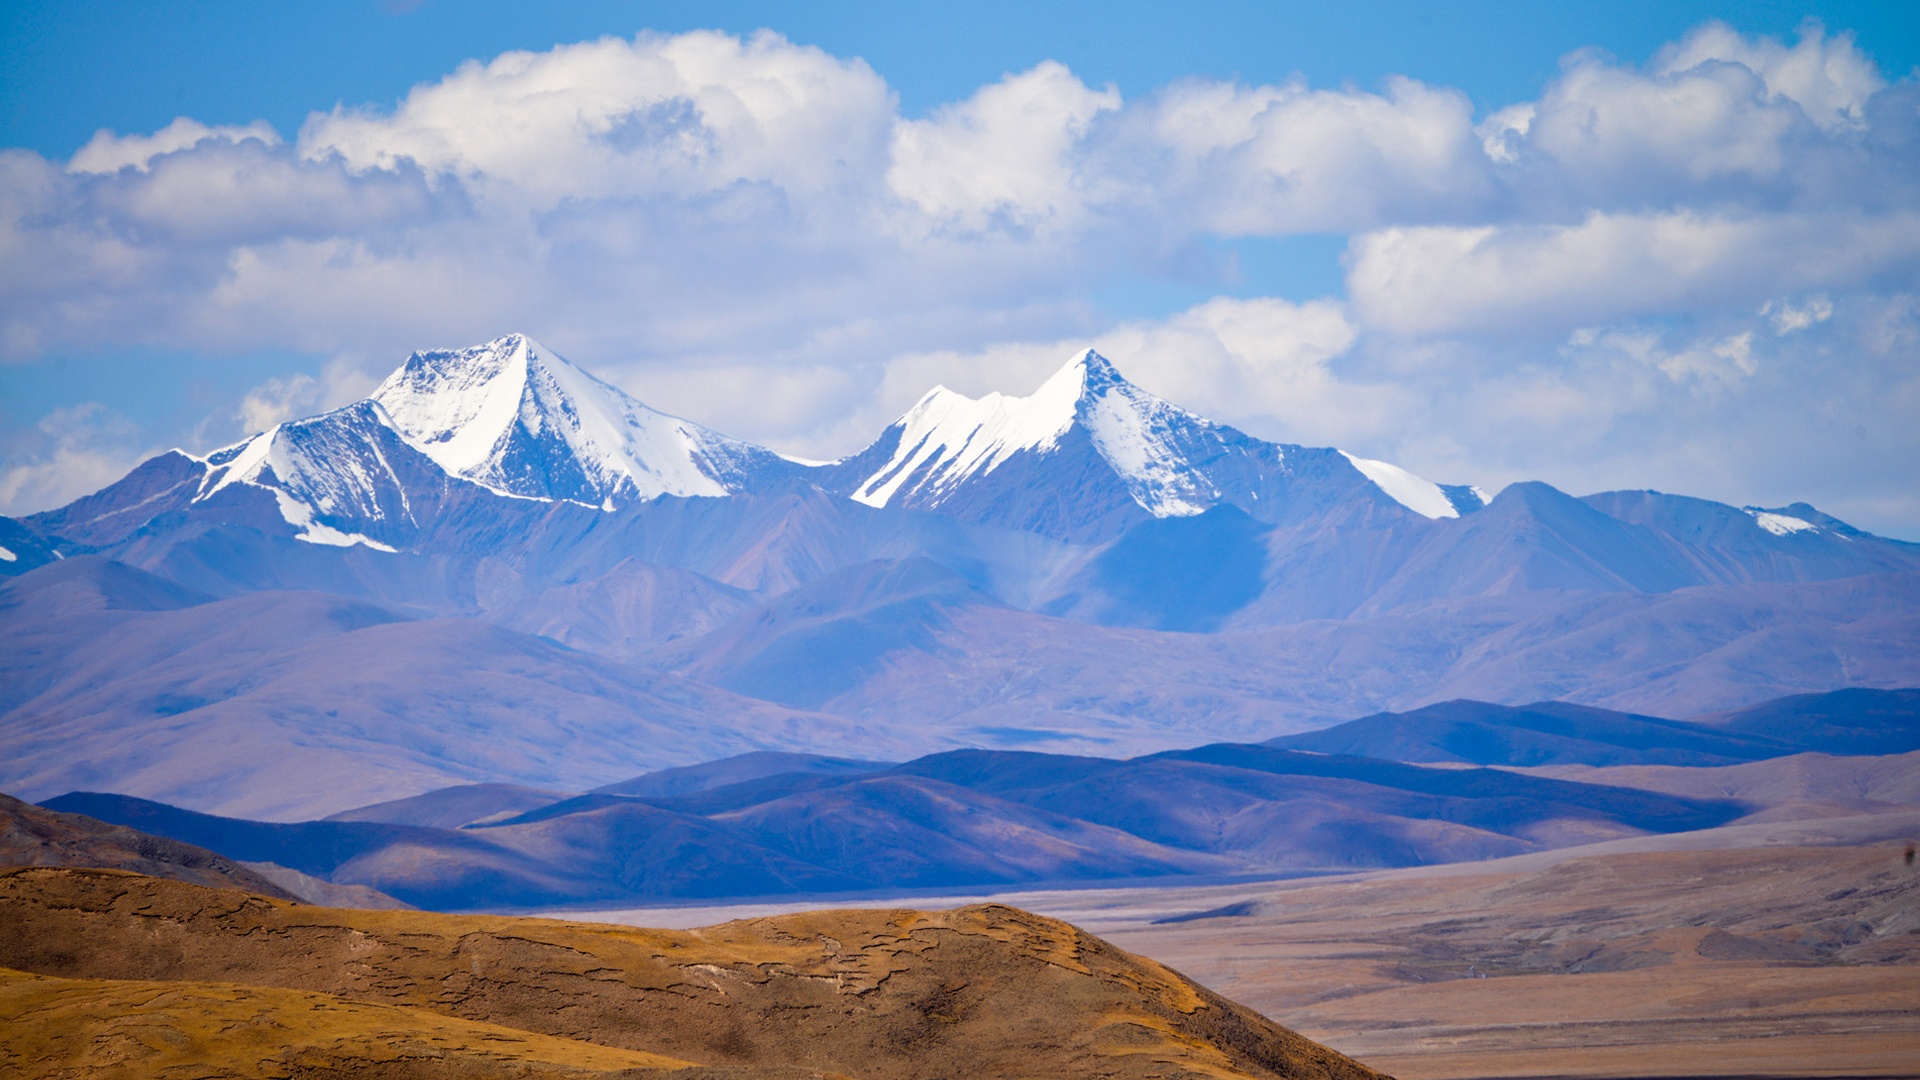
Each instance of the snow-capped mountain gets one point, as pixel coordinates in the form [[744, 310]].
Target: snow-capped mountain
[[341, 478], [1089, 450], [515, 417], [1085, 566]]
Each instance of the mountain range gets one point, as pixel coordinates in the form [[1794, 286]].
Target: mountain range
[[968, 818], [770, 823], [500, 569]]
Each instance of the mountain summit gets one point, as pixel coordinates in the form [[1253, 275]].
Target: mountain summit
[[1089, 450], [514, 416]]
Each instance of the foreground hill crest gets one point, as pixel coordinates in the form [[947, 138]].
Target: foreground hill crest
[[986, 991]]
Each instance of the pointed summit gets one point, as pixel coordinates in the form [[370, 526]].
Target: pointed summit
[[518, 418], [1088, 452], [1085, 450], [1096, 373]]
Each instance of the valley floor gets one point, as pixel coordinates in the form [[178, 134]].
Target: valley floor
[[1776, 949]]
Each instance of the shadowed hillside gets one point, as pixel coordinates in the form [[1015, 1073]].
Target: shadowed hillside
[[962, 819], [35, 836], [1855, 721]]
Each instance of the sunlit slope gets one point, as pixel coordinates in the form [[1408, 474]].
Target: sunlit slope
[[982, 991], [112, 1029]]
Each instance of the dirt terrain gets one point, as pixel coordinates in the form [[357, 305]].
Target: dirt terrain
[[1779, 949], [117, 973], [1768, 961]]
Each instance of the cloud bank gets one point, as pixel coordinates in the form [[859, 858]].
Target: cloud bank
[[1698, 272]]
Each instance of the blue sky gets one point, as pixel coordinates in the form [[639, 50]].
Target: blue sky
[[1386, 227]]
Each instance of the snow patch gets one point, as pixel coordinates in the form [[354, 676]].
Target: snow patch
[[237, 463], [1133, 431], [8, 556], [1420, 495], [810, 463], [300, 516], [1781, 524]]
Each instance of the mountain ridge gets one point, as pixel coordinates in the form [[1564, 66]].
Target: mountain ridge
[[1087, 568]]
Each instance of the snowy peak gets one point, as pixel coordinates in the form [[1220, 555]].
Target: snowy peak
[[335, 478], [947, 439], [456, 404], [1156, 447], [516, 417], [1088, 452]]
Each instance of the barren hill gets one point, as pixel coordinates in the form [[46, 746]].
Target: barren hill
[[984, 991]]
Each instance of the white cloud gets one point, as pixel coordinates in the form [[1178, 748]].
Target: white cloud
[[1264, 364], [1269, 160], [278, 400], [1003, 156], [1828, 78], [1787, 317], [748, 232], [108, 152], [657, 115], [343, 379], [1619, 130], [1504, 132], [1521, 278], [71, 451]]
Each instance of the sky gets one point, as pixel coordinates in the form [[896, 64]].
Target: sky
[[1619, 245]]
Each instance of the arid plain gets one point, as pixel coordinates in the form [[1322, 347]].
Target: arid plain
[[1770, 948]]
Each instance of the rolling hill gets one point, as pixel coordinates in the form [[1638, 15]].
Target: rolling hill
[[982, 991]]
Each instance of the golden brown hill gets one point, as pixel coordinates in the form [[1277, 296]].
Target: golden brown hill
[[986, 991], [109, 1029], [34, 836]]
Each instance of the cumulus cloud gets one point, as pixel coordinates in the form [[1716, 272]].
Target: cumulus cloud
[[1004, 155], [1515, 279], [108, 152], [1786, 316], [743, 201], [749, 232], [69, 452], [657, 115], [1271, 160], [342, 380], [1828, 78]]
